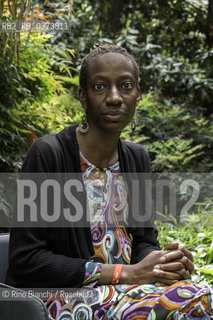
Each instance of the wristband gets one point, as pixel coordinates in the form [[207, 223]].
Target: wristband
[[117, 274]]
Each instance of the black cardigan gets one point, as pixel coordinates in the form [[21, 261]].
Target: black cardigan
[[55, 257]]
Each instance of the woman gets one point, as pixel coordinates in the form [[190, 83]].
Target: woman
[[121, 262]]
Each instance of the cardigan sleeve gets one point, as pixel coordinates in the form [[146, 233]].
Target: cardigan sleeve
[[33, 264], [33, 261], [144, 242]]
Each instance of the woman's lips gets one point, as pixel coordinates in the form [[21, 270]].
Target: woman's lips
[[113, 116]]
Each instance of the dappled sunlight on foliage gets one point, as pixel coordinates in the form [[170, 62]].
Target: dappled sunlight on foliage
[[195, 233], [177, 138], [172, 46], [30, 103]]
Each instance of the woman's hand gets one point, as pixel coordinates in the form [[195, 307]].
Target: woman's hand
[[184, 266], [164, 267], [144, 272], [186, 260]]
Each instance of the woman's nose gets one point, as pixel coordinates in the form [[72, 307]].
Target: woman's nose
[[114, 96]]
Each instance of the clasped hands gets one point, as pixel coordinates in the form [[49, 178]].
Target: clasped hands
[[165, 267]]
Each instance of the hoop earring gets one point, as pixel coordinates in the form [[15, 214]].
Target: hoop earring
[[133, 125], [83, 125]]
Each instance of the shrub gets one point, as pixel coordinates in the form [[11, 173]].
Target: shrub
[[30, 105], [177, 138], [195, 233]]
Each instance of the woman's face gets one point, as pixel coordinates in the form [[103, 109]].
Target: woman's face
[[112, 92]]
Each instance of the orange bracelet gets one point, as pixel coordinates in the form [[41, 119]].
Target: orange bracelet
[[117, 274]]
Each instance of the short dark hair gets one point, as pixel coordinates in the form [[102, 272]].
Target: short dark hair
[[101, 50]]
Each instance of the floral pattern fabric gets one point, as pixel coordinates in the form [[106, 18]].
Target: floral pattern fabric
[[182, 301]]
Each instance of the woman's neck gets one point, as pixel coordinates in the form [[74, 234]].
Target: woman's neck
[[99, 149]]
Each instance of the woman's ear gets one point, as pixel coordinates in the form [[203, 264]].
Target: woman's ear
[[138, 96], [83, 97]]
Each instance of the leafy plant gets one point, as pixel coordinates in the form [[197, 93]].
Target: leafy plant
[[177, 139], [195, 233], [29, 105]]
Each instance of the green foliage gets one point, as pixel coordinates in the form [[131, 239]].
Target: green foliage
[[35, 101], [46, 69], [168, 39], [177, 139], [11, 130], [41, 63], [190, 82], [195, 233]]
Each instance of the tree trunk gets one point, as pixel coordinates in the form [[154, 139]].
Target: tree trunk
[[114, 16], [162, 4], [209, 29]]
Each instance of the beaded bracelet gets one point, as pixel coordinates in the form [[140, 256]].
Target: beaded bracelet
[[117, 274]]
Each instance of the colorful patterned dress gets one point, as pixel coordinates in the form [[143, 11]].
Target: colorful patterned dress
[[108, 209]]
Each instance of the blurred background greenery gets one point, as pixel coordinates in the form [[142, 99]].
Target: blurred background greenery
[[172, 42]]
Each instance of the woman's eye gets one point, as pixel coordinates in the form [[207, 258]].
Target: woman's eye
[[127, 85], [98, 86]]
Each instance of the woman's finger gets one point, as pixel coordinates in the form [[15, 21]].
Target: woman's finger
[[171, 256], [165, 275], [184, 274], [172, 246], [188, 264], [187, 253], [172, 266]]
